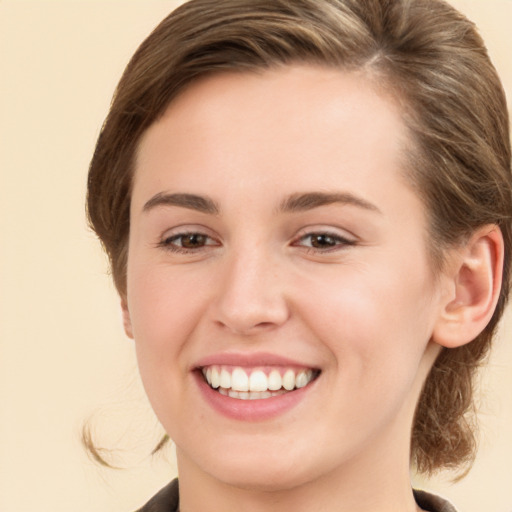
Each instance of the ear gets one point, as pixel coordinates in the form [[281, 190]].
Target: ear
[[127, 321], [473, 281]]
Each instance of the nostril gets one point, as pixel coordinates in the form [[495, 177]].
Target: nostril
[[264, 325], [247, 329]]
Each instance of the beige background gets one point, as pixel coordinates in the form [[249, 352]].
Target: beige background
[[63, 355]]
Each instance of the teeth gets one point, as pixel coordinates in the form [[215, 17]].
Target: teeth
[[258, 381], [274, 380], [235, 382], [225, 379], [249, 395], [289, 380], [215, 382], [239, 380], [302, 379]]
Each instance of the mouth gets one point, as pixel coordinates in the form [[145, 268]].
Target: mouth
[[257, 383]]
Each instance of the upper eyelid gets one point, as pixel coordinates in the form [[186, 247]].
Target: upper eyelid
[[187, 229], [326, 230]]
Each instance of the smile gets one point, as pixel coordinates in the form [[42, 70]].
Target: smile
[[256, 384]]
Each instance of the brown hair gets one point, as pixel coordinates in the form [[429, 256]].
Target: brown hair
[[427, 55]]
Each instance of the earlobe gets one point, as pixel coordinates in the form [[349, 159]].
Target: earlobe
[[475, 283], [127, 322]]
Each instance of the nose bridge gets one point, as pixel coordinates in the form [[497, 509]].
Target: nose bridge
[[252, 295]]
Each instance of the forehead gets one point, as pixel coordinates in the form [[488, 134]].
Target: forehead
[[280, 124], [304, 91]]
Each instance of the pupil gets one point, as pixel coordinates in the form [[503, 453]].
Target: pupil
[[194, 240], [322, 241]]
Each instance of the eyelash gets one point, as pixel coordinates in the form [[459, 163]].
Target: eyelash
[[334, 242], [168, 243]]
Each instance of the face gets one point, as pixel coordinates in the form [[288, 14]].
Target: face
[[279, 289]]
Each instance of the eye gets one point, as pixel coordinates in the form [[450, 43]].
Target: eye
[[187, 242], [323, 241]]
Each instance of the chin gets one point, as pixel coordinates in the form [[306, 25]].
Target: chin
[[263, 480], [263, 472]]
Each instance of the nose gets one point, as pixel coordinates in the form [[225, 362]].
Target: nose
[[251, 296]]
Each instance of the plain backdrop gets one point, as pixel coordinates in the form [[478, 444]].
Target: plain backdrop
[[63, 356]]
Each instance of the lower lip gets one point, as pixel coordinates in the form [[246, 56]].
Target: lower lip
[[251, 410]]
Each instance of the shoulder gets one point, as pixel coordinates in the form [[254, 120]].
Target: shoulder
[[166, 500], [432, 503]]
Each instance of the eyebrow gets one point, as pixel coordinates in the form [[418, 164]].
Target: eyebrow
[[308, 201], [294, 203], [190, 201]]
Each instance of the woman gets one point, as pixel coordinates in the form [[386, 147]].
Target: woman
[[307, 210]]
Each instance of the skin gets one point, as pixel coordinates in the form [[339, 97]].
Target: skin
[[361, 308]]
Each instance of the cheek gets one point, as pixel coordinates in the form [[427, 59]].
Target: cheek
[[164, 309], [162, 313], [164, 306], [376, 318], [376, 333]]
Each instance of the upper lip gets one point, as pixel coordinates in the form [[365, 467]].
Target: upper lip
[[250, 360]]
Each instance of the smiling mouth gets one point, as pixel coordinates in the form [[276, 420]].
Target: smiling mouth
[[256, 384]]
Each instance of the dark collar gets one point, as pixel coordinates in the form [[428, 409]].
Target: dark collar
[[166, 500], [432, 503]]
